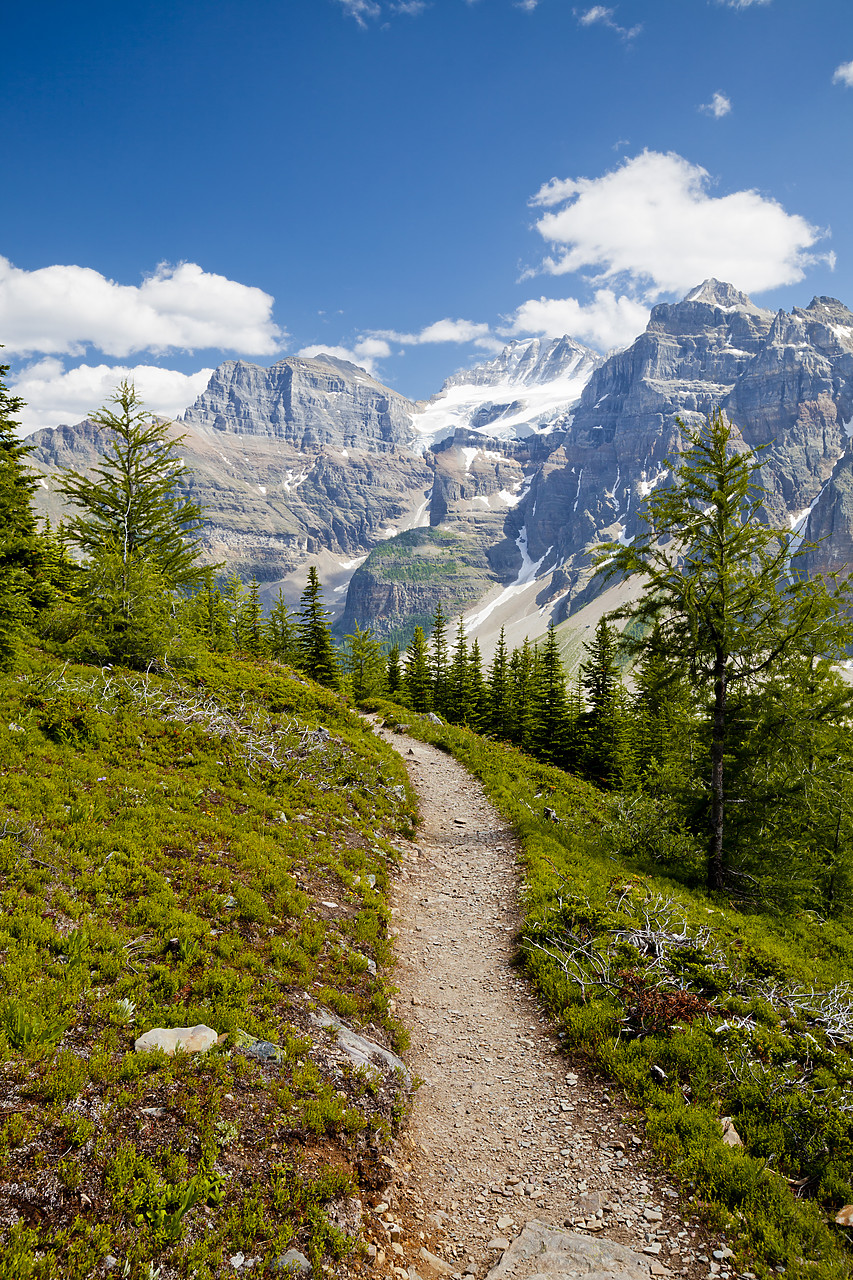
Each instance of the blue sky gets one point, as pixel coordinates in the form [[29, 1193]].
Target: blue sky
[[411, 182]]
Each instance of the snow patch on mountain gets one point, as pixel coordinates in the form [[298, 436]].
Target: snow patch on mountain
[[529, 388]]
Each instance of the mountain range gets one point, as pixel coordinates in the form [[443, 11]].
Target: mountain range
[[491, 495]]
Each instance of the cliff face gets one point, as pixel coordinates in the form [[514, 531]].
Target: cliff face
[[785, 381], [307, 458], [306, 404]]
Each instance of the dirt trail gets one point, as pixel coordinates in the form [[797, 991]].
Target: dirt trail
[[505, 1128]]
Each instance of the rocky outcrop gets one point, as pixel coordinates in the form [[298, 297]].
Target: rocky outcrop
[[305, 403], [784, 380], [401, 582], [305, 458]]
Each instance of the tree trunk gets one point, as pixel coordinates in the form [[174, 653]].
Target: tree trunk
[[716, 864]]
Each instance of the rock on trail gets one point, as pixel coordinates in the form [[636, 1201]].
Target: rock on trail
[[510, 1143]]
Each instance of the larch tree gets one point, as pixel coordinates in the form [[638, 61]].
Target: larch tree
[[131, 506], [726, 591]]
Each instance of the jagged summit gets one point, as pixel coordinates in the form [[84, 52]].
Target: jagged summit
[[526, 362], [531, 385], [718, 293]]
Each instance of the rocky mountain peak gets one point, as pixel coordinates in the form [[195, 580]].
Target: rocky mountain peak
[[307, 402], [528, 362], [717, 293]]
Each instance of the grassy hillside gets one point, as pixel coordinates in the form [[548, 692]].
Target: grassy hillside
[[707, 1016], [211, 849]]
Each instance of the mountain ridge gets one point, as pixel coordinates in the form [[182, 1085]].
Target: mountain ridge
[[525, 462]]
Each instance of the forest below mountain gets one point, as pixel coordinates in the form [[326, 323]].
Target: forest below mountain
[[196, 828]]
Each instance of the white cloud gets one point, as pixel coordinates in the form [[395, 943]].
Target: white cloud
[[364, 353], [652, 222], [61, 310], [742, 4], [446, 330], [719, 106], [527, 5], [601, 15], [364, 10], [361, 10], [605, 322], [55, 395], [843, 74]]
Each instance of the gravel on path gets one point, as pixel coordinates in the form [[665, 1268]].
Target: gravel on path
[[505, 1129]]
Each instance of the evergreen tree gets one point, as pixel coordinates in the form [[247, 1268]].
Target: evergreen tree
[[727, 591], [253, 620], [418, 677], [19, 548], [551, 731], [394, 674], [439, 662], [363, 665], [317, 657], [458, 680], [281, 632], [130, 506], [500, 692], [215, 616], [479, 690], [234, 599], [600, 726], [521, 670], [661, 729]]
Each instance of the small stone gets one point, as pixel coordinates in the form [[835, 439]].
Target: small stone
[[653, 1215], [433, 1263], [297, 1261], [720, 1254], [109, 1262], [173, 1039], [658, 1268], [505, 1222], [237, 1261], [499, 1243], [844, 1217], [381, 1208], [651, 1248], [731, 1137], [397, 1249]]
